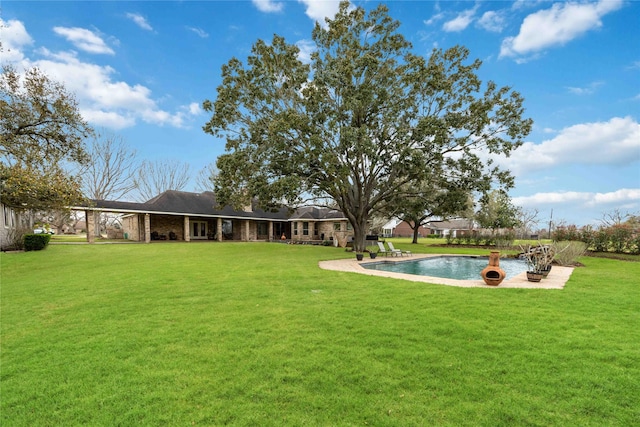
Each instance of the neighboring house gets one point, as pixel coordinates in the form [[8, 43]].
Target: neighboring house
[[454, 227], [180, 215], [10, 222]]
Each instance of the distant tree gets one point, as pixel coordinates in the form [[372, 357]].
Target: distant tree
[[111, 170], [365, 120], [157, 177], [40, 127], [614, 217], [496, 211], [528, 220], [418, 205], [206, 178]]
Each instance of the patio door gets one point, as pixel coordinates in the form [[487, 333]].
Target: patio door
[[198, 230]]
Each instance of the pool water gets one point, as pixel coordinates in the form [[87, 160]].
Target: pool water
[[450, 267]]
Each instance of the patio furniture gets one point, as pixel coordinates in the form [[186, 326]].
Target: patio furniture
[[398, 251], [384, 250]]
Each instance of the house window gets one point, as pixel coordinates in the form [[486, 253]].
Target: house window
[[349, 227], [336, 226], [8, 216], [305, 228], [316, 227], [295, 228], [262, 229]]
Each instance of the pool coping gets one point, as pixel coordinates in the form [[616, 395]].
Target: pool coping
[[557, 278]]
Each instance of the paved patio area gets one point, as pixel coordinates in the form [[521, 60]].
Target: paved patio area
[[556, 279]]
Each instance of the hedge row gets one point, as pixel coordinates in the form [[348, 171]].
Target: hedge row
[[617, 238]]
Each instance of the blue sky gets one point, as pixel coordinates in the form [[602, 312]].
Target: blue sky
[[142, 69]]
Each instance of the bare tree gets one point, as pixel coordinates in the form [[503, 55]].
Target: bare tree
[[205, 181], [615, 217], [110, 173], [156, 177], [528, 220]]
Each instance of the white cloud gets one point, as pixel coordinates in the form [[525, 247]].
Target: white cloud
[[588, 90], [268, 6], [104, 101], [492, 21], [556, 26], [194, 109], [140, 21], [460, 22], [435, 18], [84, 39], [318, 10], [199, 31], [624, 197], [14, 38], [307, 47], [615, 142]]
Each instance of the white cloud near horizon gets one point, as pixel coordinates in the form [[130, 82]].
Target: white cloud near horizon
[[624, 198], [140, 21], [556, 26], [84, 39], [268, 6], [614, 142]]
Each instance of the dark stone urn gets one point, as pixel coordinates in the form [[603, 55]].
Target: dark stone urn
[[492, 274]]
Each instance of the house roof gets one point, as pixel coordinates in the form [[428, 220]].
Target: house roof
[[173, 202], [311, 212]]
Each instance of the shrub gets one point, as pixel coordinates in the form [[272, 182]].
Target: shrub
[[36, 242], [568, 252], [505, 240], [14, 240]]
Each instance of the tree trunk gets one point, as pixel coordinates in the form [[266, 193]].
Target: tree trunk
[[415, 234], [359, 237]]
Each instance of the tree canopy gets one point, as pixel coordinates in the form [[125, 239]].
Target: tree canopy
[[40, 127], [364, 122]]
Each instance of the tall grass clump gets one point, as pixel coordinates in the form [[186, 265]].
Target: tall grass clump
[[568, 253]]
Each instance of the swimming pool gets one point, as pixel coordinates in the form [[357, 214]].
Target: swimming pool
[[450, 267]]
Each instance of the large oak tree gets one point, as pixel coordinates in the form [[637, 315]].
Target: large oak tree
[[361, 123], [40, 128]]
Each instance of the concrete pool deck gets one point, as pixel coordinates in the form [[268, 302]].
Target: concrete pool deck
[[556, 279]]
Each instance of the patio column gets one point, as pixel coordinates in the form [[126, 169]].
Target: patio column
[[91, 226], [246, 230], [187, 229], [219, 228], [271, 237], [147, 228]]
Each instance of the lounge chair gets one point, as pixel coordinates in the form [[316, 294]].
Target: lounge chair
[[398, 251], [384, 251]]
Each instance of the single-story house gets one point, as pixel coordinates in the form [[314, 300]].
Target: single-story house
[[10, 222], [186, 216], [454, 227]]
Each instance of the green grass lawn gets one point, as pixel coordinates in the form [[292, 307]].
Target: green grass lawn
[[180, 334]]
